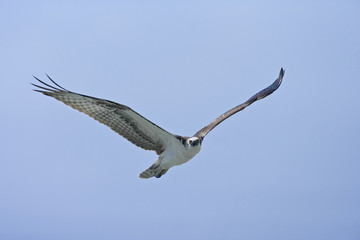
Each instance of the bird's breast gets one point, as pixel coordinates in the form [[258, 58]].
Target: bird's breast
[[180, 156]]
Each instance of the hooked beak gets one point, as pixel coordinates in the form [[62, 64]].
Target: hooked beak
[[195, 142]]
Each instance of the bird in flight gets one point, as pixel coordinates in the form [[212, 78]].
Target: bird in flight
[[172, 149]]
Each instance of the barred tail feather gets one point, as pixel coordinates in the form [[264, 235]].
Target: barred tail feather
[[150, 172]]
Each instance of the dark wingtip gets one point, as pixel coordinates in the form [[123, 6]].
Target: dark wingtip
[[40, 91], [36, 78], [56, 83], [278, 81], [34, 85], [282, 73], [51, 88]]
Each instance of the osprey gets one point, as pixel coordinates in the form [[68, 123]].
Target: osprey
[[172, 149]]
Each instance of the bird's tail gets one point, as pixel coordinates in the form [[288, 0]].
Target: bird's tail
[[150, 172], [153, 171]]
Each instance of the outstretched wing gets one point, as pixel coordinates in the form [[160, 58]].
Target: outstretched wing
[[265, 92], [118, 117]]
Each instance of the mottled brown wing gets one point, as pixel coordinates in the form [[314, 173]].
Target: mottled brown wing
[[263, 93], [118, 117]]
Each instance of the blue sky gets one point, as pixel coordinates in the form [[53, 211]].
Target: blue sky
[[285, 168]]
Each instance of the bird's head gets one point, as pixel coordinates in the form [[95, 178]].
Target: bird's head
[[193, 142], [192, 146]]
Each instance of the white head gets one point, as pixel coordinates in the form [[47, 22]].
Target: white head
[[193, 146], [193, 142]]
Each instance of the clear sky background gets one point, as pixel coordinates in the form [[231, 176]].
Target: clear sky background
[[285, 168]]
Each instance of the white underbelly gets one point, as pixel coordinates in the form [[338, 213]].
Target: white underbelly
[[179, 157]]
